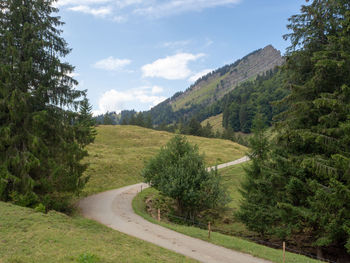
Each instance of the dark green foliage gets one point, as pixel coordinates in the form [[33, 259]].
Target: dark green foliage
[[258, 208], [309, 167], [194, 127], [240, 106], [85, 123], [178, 171], [207, 131], [107, 119], [42, 136]]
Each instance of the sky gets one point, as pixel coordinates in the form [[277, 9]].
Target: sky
[[133, 54]]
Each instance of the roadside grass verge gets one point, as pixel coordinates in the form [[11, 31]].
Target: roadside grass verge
[[118, 154], [232, 177], [27, 236]]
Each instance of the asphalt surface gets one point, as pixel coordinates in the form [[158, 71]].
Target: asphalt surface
[[114, 209]]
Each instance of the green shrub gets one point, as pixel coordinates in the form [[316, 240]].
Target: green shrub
[[88, 258], [179, 172]]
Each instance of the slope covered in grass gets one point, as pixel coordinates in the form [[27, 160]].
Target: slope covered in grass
[[119, 152], [215, 122], [27, 236]]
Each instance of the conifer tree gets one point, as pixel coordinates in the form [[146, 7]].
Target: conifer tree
[[40, 149], [257, 209], [308, 174]]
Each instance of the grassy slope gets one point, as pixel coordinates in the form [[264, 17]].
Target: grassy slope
[[199, 95], [232, 178], [119, 152], [215, 122], [27, 236], [116, 158]]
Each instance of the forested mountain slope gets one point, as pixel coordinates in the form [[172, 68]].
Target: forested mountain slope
[[213, 86]]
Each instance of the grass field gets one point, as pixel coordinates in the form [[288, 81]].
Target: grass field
[[27, 236], [215, 122], [116, 159], [198, 96], [119, 153], [232, 178]]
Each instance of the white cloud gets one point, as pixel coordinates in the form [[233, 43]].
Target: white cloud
[[119, 19], [176, 44], [171, 7], [126, 3], [171, 67], [199, 75], [148, 8], [112, 64], [73, 74], [60, 3], [114, 100], [157, 89], [102, 11]]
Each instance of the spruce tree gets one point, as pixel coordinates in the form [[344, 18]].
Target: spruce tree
[[307, 173], [258, 207], [314, 131], [40, 148]]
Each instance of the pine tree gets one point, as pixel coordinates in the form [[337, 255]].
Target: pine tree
[[40, 151]]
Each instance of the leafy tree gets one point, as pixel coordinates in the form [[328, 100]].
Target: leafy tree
[[40, 144], [178, 171]]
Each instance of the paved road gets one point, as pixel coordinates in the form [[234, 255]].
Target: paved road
[[114, 209], [238, 161]]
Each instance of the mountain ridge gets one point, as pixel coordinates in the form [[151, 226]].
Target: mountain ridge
[[214, 85]]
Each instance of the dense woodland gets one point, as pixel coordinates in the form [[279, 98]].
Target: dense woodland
[[298, 186]]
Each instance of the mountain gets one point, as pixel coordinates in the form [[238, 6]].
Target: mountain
[[215, 85]]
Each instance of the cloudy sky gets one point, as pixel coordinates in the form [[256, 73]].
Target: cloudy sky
[[133, 54]]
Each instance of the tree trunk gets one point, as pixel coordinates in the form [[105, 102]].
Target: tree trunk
[[319, 253]]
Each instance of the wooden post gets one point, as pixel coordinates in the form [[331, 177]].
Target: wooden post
[[158, 214], [284, 252], [141, 187], [209, 230]]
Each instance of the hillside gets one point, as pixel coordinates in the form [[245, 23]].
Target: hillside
[[118, 154], [116, 159], [213, 86], [215, 122], [29, 236]]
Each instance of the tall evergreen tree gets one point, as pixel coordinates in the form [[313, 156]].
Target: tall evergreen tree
[[257, 209], [310, 159], [40, 150], [85, 123]]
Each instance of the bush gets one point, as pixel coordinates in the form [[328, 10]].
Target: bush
[[179, 172]]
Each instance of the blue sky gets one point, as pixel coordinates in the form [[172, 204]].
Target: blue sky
[[132, 54]]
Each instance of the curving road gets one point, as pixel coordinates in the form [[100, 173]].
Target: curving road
[[114, 209]]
